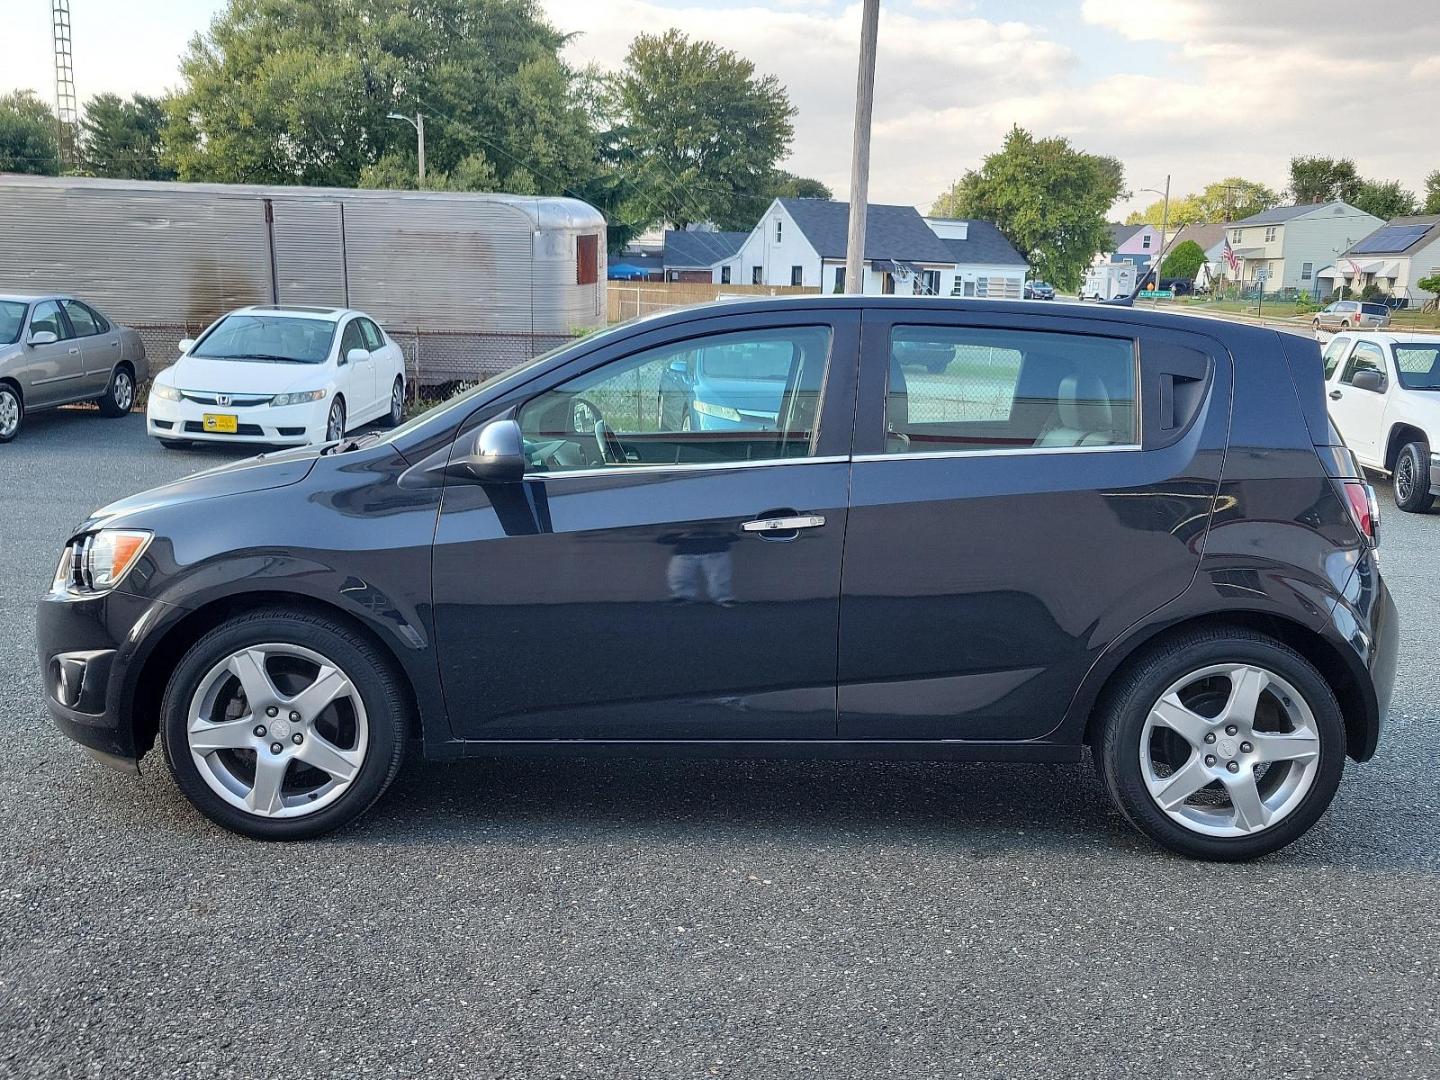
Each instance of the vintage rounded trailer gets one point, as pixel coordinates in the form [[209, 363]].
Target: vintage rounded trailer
[[469, 284]]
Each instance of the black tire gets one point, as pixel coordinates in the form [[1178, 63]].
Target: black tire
[[373, 677], [397, 403], [1315, 323], [12, 412], [1411, 478], [119, 397], [335, 418], [175, 444], [1126, 705], [1345, 324]]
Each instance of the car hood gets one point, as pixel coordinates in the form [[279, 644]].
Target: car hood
[[244, 376], [263, 473]]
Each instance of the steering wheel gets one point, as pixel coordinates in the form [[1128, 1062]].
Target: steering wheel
[[612, 451]]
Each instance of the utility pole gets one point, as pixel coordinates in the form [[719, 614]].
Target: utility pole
[[1164, 228], [860, 158], [419, 125]]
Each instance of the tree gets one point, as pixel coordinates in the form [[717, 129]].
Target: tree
[[121, 139], [1231, 199], [1048, 199], [1184, 262], [1432, 193], [784, 185], [399, 173], [702, 130], [1385, 199], [29, 142], [1322, 179], [298, 91]]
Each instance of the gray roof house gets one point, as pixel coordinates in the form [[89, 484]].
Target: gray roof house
[[1395, 257], [802, 242], [699, 255], [1285, 246]]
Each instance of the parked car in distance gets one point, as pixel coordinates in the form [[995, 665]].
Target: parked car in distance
[[284, 376], [57, 350], [1385, 399], [1032, 563], [1352, 315], [1039, 290]]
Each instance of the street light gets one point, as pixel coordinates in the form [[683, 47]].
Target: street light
[[1164, 228], [419, 125]]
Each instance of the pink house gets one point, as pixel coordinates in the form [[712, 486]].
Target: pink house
[[1138, 244]]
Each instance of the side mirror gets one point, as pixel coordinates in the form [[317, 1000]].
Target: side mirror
[[186, 344], [43, 337], [1369, 379], [499, 453], [356, 356]]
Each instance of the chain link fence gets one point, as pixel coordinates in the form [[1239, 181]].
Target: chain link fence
[[437, 362]]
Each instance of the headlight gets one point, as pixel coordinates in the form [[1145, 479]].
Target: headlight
[[721, 412], [164, 392], [300, 398], [97, 562]]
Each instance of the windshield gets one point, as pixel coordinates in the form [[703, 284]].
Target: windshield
[[1418, 366], [276, 338], [12, 317]]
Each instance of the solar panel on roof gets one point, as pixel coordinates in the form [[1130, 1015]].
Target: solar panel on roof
[[1390, 238]]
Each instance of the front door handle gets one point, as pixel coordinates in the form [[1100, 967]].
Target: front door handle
[[1335, 395], [783, 524], [73, 352]]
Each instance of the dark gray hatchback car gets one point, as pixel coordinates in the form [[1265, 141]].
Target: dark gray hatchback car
[[1088, 526]]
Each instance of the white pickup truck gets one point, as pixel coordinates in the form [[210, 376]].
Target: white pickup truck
[[1384, 397]]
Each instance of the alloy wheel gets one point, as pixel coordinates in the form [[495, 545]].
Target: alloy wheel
[[277, 730], [397, 402], [1229, 750], [124, 391], [335, 424], [9, 413], [1404, 478]]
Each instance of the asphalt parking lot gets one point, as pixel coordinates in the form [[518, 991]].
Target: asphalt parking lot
[[536, 918]]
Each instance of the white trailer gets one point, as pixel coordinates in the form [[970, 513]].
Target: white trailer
[[1108, 281]]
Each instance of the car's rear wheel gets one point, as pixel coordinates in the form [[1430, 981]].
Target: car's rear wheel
[[119, 396], [12, 412], [1344, 324], [1412, 478], [1315, 323], [283, 726], [1223, 744]]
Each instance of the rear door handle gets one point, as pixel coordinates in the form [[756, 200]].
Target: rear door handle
[[1335, 395], [784, 524]]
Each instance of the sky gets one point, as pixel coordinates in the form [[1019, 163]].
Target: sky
[[1194, 89]]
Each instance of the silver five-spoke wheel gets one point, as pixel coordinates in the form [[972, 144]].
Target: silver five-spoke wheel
[[1229, 750], [277, 730]]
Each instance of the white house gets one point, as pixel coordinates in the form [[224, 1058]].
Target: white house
[[1293, 242], [703, 255], [1394, 257], [803, 242]]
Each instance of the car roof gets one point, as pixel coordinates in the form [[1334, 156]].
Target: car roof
[[297, 311], [1394, 339], [30, 298]]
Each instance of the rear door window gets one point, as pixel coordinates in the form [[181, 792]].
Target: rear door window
[[85, 321], [974, 390]]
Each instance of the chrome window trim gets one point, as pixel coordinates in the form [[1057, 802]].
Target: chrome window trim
[[688, 466], [1016, 451]]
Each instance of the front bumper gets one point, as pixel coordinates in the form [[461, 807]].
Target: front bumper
[[89, 650], [289, 425]]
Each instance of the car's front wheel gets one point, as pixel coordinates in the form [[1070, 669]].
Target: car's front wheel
[[12, 412], [283, 726], [1224, 744], [335, 421], [1412, 478], [119, 396], [397, 403]]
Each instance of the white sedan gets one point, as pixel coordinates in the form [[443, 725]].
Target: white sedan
[[279, 375]]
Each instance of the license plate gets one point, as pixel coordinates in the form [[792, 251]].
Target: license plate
[[220, 423]]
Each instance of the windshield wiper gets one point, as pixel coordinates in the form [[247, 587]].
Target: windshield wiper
[[270, 358]]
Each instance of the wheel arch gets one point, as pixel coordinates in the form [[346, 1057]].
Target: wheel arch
[[1343, 674], [1400, 434], [147, 683], [14, 384]]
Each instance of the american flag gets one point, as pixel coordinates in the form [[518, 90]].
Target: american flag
[[1230, 259]]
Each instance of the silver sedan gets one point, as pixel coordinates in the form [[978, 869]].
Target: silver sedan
[[56, 350]]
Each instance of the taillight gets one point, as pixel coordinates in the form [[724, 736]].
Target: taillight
[[1360, 497]]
